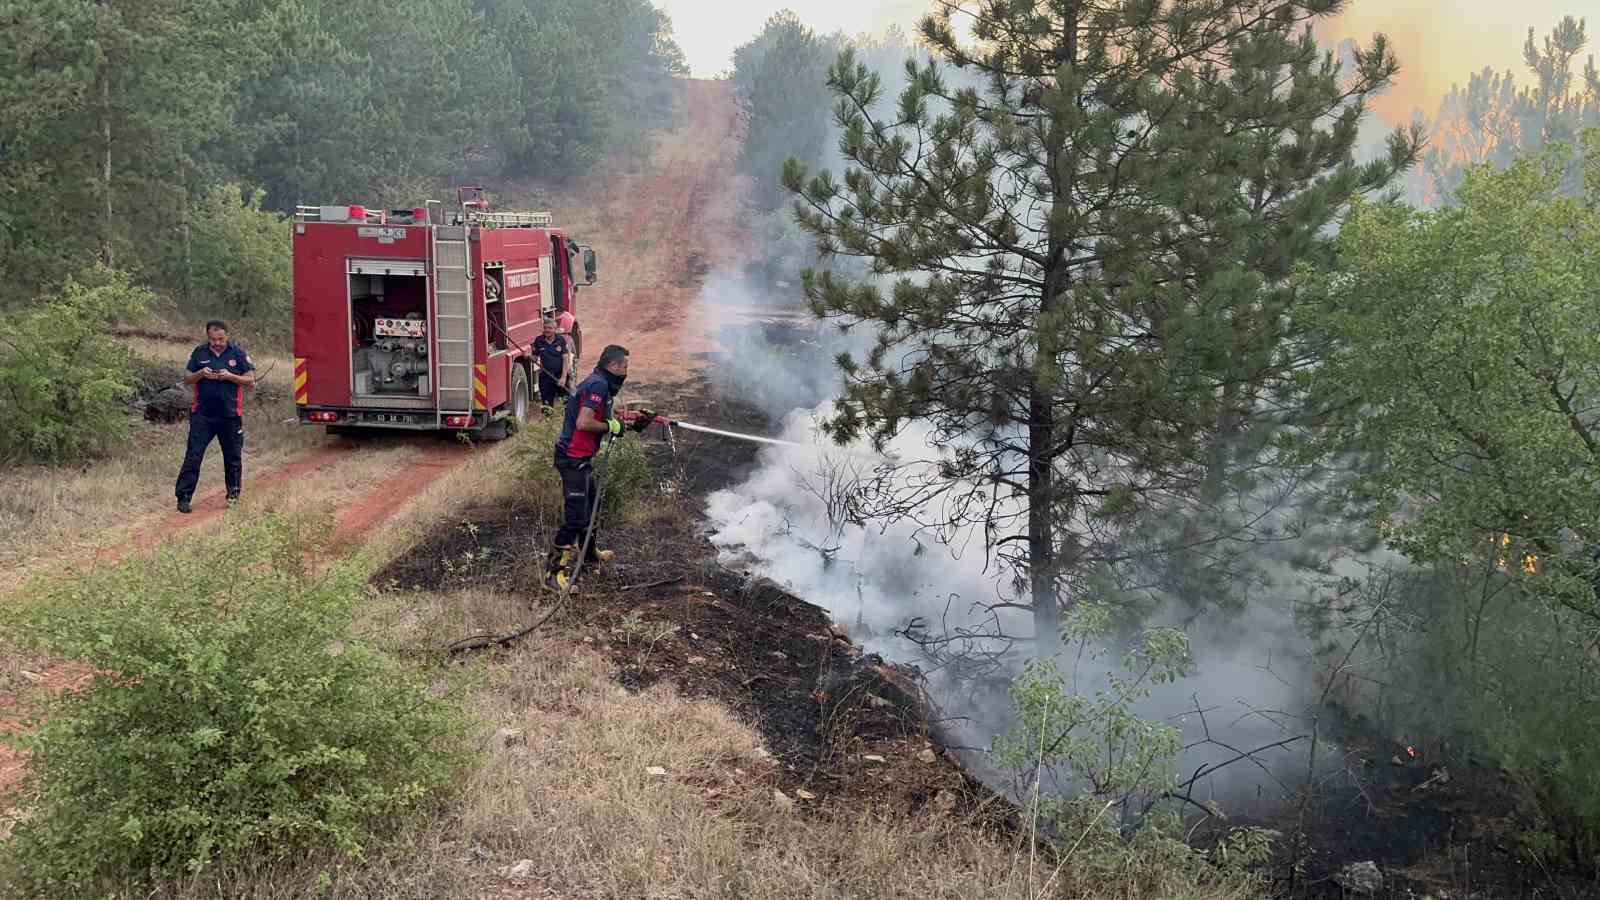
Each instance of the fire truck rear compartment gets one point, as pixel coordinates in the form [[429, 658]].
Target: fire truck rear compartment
[[389, 338]]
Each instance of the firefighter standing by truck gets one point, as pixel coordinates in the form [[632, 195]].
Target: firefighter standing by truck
[[591, 417], [567, 326], [219, 372], [554, 355]]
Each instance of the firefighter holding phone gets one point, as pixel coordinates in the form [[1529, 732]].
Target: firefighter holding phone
[[218, 372]]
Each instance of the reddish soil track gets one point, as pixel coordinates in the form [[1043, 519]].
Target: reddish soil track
[[356, 519], [208, 506], [661, 232]]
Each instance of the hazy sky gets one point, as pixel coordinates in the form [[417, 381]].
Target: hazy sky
[[1439, 41]]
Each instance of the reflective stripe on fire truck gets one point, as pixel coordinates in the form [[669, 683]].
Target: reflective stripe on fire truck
[[480, 387], [302, 394]]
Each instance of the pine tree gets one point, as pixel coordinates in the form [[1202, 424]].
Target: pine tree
[[114, 101], [1089, 255]]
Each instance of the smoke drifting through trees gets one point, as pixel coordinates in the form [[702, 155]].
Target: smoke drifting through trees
[[1089, 262], [1496, 113], [1294, 617]]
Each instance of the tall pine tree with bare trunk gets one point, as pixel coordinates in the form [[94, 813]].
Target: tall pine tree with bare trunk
[[1079, 267]]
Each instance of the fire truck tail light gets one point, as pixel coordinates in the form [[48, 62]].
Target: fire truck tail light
[[457, 421], [323, 417]]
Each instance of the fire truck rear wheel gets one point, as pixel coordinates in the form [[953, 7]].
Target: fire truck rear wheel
[[521, 401]]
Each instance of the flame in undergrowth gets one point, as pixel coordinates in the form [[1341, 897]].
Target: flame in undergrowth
[[1530, 561]]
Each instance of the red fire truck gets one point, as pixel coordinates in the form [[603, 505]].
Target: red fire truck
[[422, 318]]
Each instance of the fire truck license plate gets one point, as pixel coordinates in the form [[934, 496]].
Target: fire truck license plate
[[399, 328]]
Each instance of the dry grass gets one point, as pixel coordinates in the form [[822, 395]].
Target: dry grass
[[565, 778], [565, 783], [52, 513], [569, 785]]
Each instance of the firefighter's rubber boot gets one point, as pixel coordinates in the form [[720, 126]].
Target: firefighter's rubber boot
[[558, 567], [596, 556]]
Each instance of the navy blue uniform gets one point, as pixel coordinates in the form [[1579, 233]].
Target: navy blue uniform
[[575, 455], [551, 353], [216, 413]]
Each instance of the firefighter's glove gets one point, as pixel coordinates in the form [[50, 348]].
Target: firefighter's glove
[[615, 426], [645, 417]]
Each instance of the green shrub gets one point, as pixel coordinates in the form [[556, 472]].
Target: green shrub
[[233, 714], [62, 378], [1096, 773], [626, 481], [239, 261], [1070, 735], [1513, 680]]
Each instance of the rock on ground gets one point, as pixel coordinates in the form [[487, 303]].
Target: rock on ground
[[168, 406], [1360, 878]]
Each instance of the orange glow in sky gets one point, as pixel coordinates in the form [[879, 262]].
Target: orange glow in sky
[[1439, 42], [1443, 42]]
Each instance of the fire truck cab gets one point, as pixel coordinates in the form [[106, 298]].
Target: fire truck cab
[[422, 318]]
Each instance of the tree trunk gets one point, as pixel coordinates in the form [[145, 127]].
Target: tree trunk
[[103, 76], [1042, 450], [1041, 512]]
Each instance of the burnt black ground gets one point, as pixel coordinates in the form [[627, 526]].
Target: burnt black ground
[[822, 706], [1465, 835]]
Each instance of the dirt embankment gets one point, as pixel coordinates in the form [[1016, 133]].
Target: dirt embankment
[[660, 230]]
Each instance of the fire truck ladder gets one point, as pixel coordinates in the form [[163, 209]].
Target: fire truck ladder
[[452, 312]]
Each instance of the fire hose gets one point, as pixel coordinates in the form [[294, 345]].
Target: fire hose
[[633, 417], [484, 641], [641, 419]]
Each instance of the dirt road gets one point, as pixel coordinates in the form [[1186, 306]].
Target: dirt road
[[660, 230]]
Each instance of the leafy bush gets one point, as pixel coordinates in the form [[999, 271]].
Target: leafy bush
[[239, 255], [1065, 736], [62, 378], [232, 713], [1467, 335], [625, 472], [1095, 772]]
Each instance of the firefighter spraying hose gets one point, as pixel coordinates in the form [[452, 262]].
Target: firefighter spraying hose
[[483, 641], [640, 419], [581, 453]]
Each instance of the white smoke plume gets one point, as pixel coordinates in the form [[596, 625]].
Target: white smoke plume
[[786, 522]]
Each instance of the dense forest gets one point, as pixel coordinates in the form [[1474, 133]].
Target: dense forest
[[160, 136]]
